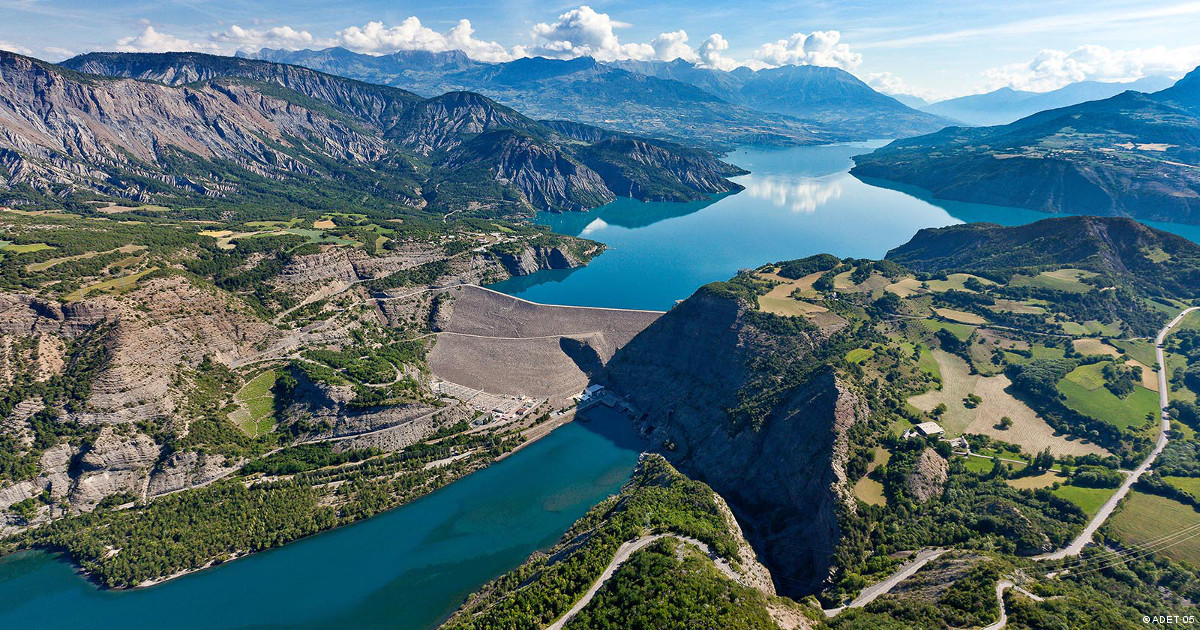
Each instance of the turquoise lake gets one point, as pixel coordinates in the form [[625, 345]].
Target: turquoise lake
[[797, 202], [406, 569], [411, 567]]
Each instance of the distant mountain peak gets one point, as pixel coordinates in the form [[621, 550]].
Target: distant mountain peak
[[680, 99]]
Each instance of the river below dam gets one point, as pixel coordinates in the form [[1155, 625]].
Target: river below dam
[[411, 567]]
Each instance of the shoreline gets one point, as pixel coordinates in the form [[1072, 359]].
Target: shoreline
[[532, 434]]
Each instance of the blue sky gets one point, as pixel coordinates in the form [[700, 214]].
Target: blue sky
[[933, 48]]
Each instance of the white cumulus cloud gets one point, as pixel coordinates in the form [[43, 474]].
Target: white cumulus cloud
[[581, 32], [250, 40], [889, 83], [375, 38], [1052, 69], [819, 48], [150, 40], [710, 53], [672, 46]]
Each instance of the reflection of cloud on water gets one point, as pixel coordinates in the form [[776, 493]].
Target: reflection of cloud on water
[[797, 195], [593, 227]]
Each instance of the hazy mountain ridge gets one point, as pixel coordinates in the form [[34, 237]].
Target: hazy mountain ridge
[[825, 97], [1132, 154], [784, 106], [1007, 105]]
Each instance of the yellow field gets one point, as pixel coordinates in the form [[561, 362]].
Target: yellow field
[[960, 316], [779, 301], [1029, 430], [1012, 306], [1149, 375], [905, 287], [1044, 480], [788, 306], [1088, 347], [956, 281], [324, 224], [841, 282], [869, 490]]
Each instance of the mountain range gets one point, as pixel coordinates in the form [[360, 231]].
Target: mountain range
[[166, 128], [789, 105], [1133, 154], [1006, 105]]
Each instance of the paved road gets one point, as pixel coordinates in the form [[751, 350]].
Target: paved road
[[1077, 545], [1004, 585], [1001, 586], [623, 553], [869, 594]]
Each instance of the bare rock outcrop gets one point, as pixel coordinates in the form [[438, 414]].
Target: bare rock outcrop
[[928, 476], [532, 259], [116, 462], [165, 326], [187, 469]]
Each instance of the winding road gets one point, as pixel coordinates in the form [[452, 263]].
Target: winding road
[[626, 550], [1077, 545], [905, 571]]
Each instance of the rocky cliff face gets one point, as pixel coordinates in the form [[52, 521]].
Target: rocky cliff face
[[634, 168], [153, 338], [784, 479], [190, 118], [532, 259], [443, 122], [62, 128], [379, 104], [543, 175]]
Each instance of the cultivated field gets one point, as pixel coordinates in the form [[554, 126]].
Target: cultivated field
[[869, 490], [1190, 485], [42, 266], [1028, 430], [256, 405], [962, 317], [1090, 500], [114, 285], [1086, 393], [1044, 480], [1092, 346], [1013, 306], [1147, 517], [1069, 280], [911, 286]]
